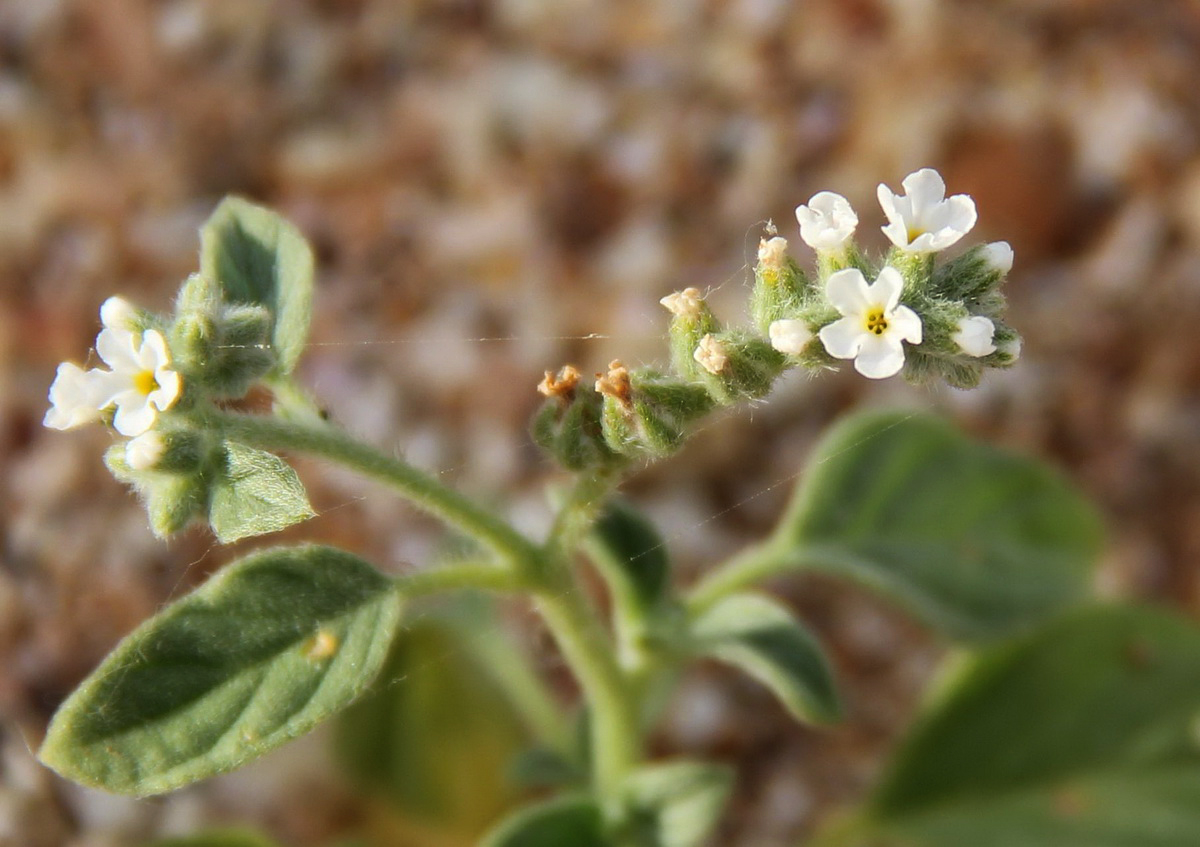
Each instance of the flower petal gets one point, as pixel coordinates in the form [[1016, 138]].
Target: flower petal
[[74, 398], [904, 323], [118, 313], [134, 415], [999, 256], [117, 347], [847, 291], [886, 288], [827, 222], [925, 189], [880, 357], [168, 390], [843, 338]]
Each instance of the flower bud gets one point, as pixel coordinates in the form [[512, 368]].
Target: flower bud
[[172, 500], [568, 424], [975, 274], [779, 285], [691, 320], [737, 366], [646, 411]]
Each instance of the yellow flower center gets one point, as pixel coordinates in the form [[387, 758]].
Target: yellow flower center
[[145, 382], [876, 322], [914, 232]]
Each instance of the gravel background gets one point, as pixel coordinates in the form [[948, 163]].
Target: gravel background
[[494, 189]]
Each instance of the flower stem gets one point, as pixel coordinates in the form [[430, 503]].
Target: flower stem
[[457, 577], [754, 564], [615, 736], [269, 433]]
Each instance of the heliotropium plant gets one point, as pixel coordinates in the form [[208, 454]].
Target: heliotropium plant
[[981, 545]]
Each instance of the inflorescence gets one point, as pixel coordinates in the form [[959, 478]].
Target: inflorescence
[[906, 314]]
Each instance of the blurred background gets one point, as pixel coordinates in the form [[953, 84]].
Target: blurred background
[[496, 189]]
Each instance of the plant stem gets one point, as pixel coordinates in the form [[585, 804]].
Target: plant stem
[[754, 564], [455, 577], [615, 737], [269, 433]]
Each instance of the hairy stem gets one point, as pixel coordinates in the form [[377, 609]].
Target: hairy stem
[[752, 565], [615, 736], [422, 490]]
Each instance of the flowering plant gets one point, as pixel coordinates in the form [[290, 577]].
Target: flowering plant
[[980, 545]]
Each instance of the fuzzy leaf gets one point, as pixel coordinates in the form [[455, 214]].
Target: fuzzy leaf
[[255, 493], [633, 554], [265, 650], [571, 820], [975, 541], [260, 258], [1083, 735], [676, 804], [756, 634], [438, 746]]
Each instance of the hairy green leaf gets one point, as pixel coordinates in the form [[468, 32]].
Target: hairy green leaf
[[977, 542], [633, 554], [266, 649], [1082, 735], [260, 258], [675, 804], [255, 492], [439, 743], [572, 820], [758, 635]]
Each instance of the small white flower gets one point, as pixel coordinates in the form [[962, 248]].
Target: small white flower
[[684, 304], [826, 222], [975, 336], [711, 355], [75, 397], [1012, 348], [145, 451], [999, 256], [118, 313], [789, 336], [771, 252], [141, 383], [873, 324], [924, 220]]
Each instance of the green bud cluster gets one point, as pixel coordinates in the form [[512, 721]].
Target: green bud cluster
[[221, 348], [176, 488]]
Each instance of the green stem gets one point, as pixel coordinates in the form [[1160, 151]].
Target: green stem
[[615, 737], [457, 577], [752, 565], [422, 490]]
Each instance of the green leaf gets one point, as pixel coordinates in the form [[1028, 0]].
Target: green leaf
[[572, 820], [676, 804], [1082, 735], [260, 258], [263, 652], [255, 492], [977, 542], [758, 635], [632, 553], [438, 744], [216, 838]]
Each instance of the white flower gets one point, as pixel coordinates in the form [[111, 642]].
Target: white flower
[[141, 383], [118, 313], [999, 256], [1012, 348], [873, 323], [711, 355], [684, 304], [145, 451], [924, 220], [771, 252], [827, 221], [74, 397], [975, 336], [789, 336]]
